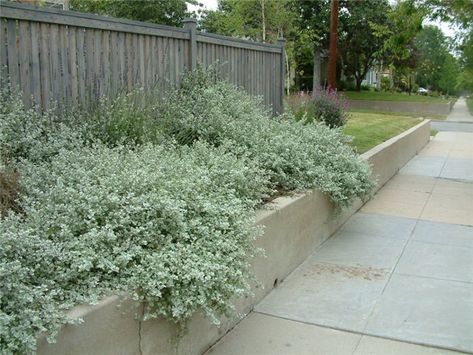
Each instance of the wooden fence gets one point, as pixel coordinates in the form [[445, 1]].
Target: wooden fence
[[75, 58]]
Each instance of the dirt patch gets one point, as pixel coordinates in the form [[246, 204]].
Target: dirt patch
[[363, 272]]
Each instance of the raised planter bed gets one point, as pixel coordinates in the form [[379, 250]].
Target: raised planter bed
[[401, 106], [294, 227]]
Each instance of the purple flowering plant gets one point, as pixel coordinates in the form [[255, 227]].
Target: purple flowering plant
[[322, 105]]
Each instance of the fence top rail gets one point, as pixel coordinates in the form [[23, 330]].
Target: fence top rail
[[81, 19], [237, 42]]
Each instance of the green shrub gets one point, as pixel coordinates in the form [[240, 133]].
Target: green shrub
[[385, 84]]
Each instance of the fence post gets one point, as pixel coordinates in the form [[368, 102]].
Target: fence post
[[281, 44], [190, 24]]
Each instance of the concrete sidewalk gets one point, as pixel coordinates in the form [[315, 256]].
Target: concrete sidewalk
[[397, 278], [460, 112], [459, 120]]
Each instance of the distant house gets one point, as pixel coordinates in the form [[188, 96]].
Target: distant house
[[374, 76]]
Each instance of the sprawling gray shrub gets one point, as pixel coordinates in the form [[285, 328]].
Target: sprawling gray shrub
[[169, 225], [152, 198], [296, 156], [29, 134]]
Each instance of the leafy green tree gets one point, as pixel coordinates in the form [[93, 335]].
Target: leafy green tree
[[432, 46], [455, 11], [362, 33], [166, 12], [260, 20], [465, 78], [449, 75], [400, 51], [312, 36], [460, 13]]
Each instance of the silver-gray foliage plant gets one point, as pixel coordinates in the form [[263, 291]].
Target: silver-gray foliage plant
[[164, 214]]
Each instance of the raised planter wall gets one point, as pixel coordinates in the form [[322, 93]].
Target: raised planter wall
[[397, 106], [294, 227]]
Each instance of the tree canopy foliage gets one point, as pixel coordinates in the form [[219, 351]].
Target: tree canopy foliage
[[372, 33], [362, 33], [166, 12]]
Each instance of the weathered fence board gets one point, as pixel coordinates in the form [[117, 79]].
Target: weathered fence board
[[72, 59]]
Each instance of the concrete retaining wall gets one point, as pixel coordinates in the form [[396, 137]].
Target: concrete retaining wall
[[294, 227], [397, 106]]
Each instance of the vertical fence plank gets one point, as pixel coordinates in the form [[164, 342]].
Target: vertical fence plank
[[24, 45], [24, 39], [121, 79], [179, 61], [227, 62], [204, 55], [73, 86], [89, 60], [273, 84], [114, 66], [35, 66], [81, 68], [136, 60], [105, 62], [13, 66], [176, 62], [3, 44], [159, 56], [165, 65], [261, 75], [54, 66], [129, 60], [186, 56], [170, 60], [64, 55], [98, 69], [199, 53], [141, 59], [268, 78], [44, 65], [252, 72], [147, 60], [154, 55]]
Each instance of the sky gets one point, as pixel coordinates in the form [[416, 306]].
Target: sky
[[208, 5], [212, 5]]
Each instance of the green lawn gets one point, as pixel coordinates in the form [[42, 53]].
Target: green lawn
[[391, 96], [469, 102], [371, 129], [430, 116]]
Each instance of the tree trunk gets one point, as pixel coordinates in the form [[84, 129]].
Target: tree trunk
[[316, 73], [358, 81]]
